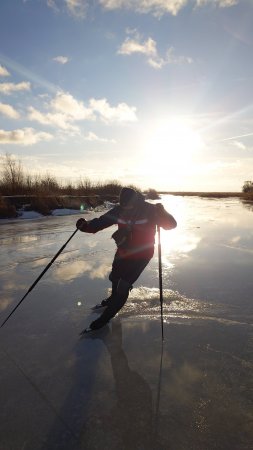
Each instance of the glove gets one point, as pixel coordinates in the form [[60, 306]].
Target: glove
[[164, 219], [81, 224], [159, 208], [159, 212]]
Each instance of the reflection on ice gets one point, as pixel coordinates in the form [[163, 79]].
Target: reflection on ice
[[5, 302], [64, 273], [16, 239], [178, 244], [69, 270]]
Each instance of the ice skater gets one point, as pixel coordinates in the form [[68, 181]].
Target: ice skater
[[137, 220]]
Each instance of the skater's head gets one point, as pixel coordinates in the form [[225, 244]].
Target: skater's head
[[128, 198]]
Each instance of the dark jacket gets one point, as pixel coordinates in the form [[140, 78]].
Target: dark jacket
[[141, 222]]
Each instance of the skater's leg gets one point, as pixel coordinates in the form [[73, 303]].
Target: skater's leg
[[106, 301], [114, 278], [127, 272], [114, 306]]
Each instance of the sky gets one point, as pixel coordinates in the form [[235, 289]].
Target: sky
[[155, 93]]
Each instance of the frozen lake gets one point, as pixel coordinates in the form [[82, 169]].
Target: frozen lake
[[120, 389]]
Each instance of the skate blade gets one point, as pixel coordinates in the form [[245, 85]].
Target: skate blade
[[85, 331], [98, 307]]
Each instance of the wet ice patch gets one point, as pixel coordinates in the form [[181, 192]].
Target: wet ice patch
[[145, 302]]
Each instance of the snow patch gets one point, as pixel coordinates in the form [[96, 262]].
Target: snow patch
[[29, 215], [66, 212]]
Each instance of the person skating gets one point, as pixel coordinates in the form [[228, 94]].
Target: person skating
[[135, 238]]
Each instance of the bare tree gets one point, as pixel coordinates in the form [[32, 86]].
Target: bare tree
[[12, 174], [248, 186], [49, 184]]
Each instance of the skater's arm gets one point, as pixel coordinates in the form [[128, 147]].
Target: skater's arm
[[163, 218], [99, 223]]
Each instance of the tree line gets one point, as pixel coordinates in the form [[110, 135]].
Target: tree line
[[15, 181]]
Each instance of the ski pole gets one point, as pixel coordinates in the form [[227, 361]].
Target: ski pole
[[160, 276], [39, 277], [158, 399]]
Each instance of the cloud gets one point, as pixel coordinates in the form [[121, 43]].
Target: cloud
[[79, 8], [55, 119], [9, 111], [76, 8], [239, 145], [171, 58], [28, 74], [25, 136], [92, 137], [156, 7], [160, 7], [149, 49], [4, 72], [219, 3], [52, 4], [120, 113], [64, 110], [131, 46], [65, 103], [61, 59], [8, 88]]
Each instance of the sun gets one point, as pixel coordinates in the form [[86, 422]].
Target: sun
[[172, 142]]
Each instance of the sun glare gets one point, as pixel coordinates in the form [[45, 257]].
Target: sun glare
[[171, 143]]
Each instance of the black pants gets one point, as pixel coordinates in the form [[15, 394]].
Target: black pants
[[124, 273], [127, 269]]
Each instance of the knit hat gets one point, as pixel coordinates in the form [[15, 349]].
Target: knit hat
[[127, 196]]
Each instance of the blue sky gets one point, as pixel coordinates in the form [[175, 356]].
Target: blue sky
[[156, 93]]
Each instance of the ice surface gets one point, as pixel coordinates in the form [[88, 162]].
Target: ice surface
[[120, 388]]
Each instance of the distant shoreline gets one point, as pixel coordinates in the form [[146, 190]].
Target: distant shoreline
[[245, 196], [15, 205]]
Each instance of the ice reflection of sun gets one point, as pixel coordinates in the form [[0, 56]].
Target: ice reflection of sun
[[172, 142], [178, 243]]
